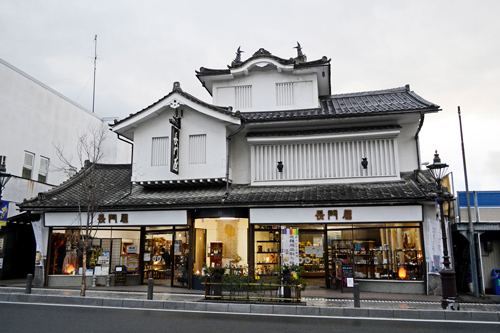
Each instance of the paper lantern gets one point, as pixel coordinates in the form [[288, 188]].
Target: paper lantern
[[402, 273]]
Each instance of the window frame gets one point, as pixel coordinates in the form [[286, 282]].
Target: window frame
[[43, 177], [26, 167]]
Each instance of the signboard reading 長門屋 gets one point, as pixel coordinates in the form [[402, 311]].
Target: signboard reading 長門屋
[[174, 151]]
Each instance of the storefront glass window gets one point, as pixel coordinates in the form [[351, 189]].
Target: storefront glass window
[[109, 248], [166, 256], [311, 251], [158, 257], [377, 251], [219, 241]]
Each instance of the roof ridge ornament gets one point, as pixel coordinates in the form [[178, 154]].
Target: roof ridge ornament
[[177, 86], [175, 103], [261, 52], [301, 57], [237, 60]]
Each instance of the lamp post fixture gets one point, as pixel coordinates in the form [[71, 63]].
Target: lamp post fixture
[[448, 283]]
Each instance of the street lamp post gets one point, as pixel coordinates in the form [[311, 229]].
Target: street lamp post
[[4, 176], [448, 284]]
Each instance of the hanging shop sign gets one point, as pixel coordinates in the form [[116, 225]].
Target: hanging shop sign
[[174, 151], [4, 212], [336, 214], [118, 219], [37, 231], [290, 246]]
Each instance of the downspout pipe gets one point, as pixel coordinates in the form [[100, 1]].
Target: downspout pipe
[[131, 160], [420, 124], [228, 149]]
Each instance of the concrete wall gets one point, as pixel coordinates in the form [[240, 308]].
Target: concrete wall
[[34, 118]]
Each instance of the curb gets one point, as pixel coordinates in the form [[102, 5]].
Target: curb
[[293, 310]]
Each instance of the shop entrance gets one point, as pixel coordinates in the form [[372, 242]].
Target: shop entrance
[[166, 257], [311, 256]]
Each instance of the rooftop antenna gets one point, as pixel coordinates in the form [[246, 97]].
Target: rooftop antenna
[[95, 64]]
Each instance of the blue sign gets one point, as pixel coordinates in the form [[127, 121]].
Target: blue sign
[[4, 210]]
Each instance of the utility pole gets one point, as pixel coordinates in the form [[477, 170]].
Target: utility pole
[[470, 231], [95, 65]]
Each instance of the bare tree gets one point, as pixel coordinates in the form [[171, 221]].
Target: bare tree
[[89, 184]]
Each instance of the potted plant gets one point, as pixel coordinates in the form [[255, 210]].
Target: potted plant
[[213, 274], [290, 276]]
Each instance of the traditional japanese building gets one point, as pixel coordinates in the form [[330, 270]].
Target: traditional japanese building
[[276, 152]]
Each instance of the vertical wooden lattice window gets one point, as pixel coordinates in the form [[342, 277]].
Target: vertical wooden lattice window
[[284, 94], [159, 151], [243, 97], [198, 149], [323, 160]]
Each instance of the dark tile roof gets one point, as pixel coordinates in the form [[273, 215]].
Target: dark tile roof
[[405, 191], [111, 182], [177, 89], [116, 182], [397, 100]]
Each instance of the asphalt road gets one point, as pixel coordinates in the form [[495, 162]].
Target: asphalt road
[[25, 317]]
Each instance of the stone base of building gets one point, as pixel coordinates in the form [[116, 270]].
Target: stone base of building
[[76, 280], [395, 287]]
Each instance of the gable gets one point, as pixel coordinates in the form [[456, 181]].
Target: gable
[[176, 101]]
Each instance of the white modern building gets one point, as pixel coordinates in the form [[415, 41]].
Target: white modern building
[[36, 119], [276, 152]]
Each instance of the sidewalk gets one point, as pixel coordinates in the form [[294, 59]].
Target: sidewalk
[[317, 301]]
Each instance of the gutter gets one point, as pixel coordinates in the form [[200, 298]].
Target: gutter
[[131, 165], [417, 143]]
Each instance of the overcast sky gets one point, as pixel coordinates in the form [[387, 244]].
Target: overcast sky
[[448, 51]]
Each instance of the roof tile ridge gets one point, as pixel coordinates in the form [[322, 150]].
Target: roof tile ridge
[[281, 111], [64, 185], [224, 109], [206, 69], [422, 100], [367, 93], [121, 165], [199, 101]]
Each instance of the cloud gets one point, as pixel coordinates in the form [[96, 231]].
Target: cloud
[[448, 54]]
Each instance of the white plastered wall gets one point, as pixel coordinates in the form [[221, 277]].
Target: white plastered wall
[[192, 123], [264, 90]]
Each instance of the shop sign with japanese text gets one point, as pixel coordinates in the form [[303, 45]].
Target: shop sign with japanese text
[[346, 214]]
